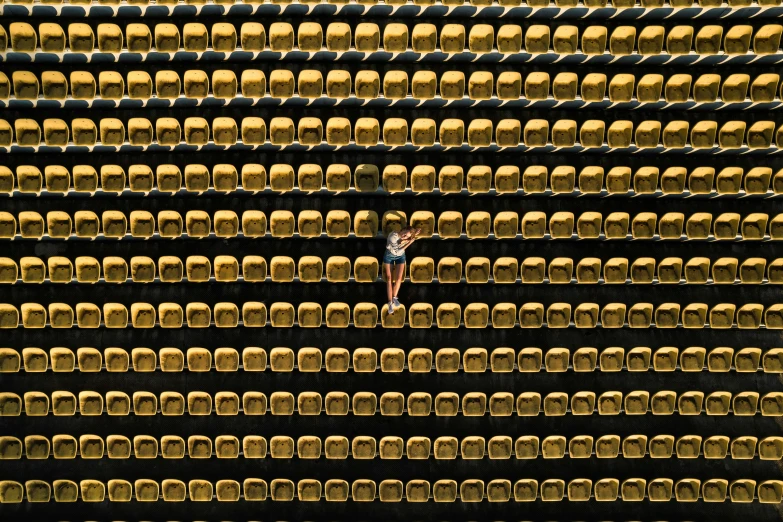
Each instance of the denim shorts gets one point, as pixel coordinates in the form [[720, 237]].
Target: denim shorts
[[389, 259]]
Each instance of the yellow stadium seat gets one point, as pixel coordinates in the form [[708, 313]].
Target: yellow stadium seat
[[52, 38], [226, 403], [199, 403], [139, 86], [81, 38], [85, 179], [395, 85], [770, 491], [444, 448], [36, 491], [525, 490], [338, 131], [200, 491], [9, 316], [63, 446], [391, 404], [507, 134], [739, 490], [28, 133], [252, 36], [90, 403], [173, 490], [25, 84], [29, 179], [224, 37], [424, 38], [447, 361], [531, 315], [537, 86], [9, 270], [119, 490], [309, 315], [6, 180], [254, 403], [564, 86], [336, 403], [579, 489], [529, 360], [91, 447], [769, 448], [167, 38], [138, 38], [649, 88], [195, 37], [254, 359], [281, 359], [747, 360], [767, 39], [533, 180], [424, 84], [10, 361], [117, 403], [735, 88], [65, 491], [731, 135], [760, 135], [224, 130], [708, 40], [368, 86], [771, 404], [763, 87]]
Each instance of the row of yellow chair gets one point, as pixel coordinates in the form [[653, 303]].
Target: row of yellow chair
[[394, 360], [365, 223], [392, 490], [369, 132], [393, 38], [616, 4], [391, 447], [423, 270], [420, 315], [367, 84], [309, 177], [424, 85], [416, 404]]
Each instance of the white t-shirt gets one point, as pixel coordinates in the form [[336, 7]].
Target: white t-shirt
[[393, 244]]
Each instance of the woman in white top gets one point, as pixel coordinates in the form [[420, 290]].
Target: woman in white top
[[396, 243]]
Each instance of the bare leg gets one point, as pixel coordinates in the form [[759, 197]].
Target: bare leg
[[400, 275], [387, 270]]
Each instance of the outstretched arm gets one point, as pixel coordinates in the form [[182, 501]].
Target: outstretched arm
[[405, 243]]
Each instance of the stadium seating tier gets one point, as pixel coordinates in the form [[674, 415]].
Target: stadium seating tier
[[195, 199]]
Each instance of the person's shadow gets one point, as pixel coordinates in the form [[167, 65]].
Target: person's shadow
[[394, 221]]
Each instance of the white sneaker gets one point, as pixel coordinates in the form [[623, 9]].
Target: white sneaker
[[396, 302], [392, 307]]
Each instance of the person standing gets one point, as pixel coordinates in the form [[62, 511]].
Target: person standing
[[396, 243]]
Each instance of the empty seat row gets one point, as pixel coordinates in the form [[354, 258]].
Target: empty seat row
[[394, 360], [617, 4], [367, 84], [423, 270], [393, 132], [339, 224], [392, 490], [309, 177], [393, 38], [391, 447], [420, 315], [90, 403]]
